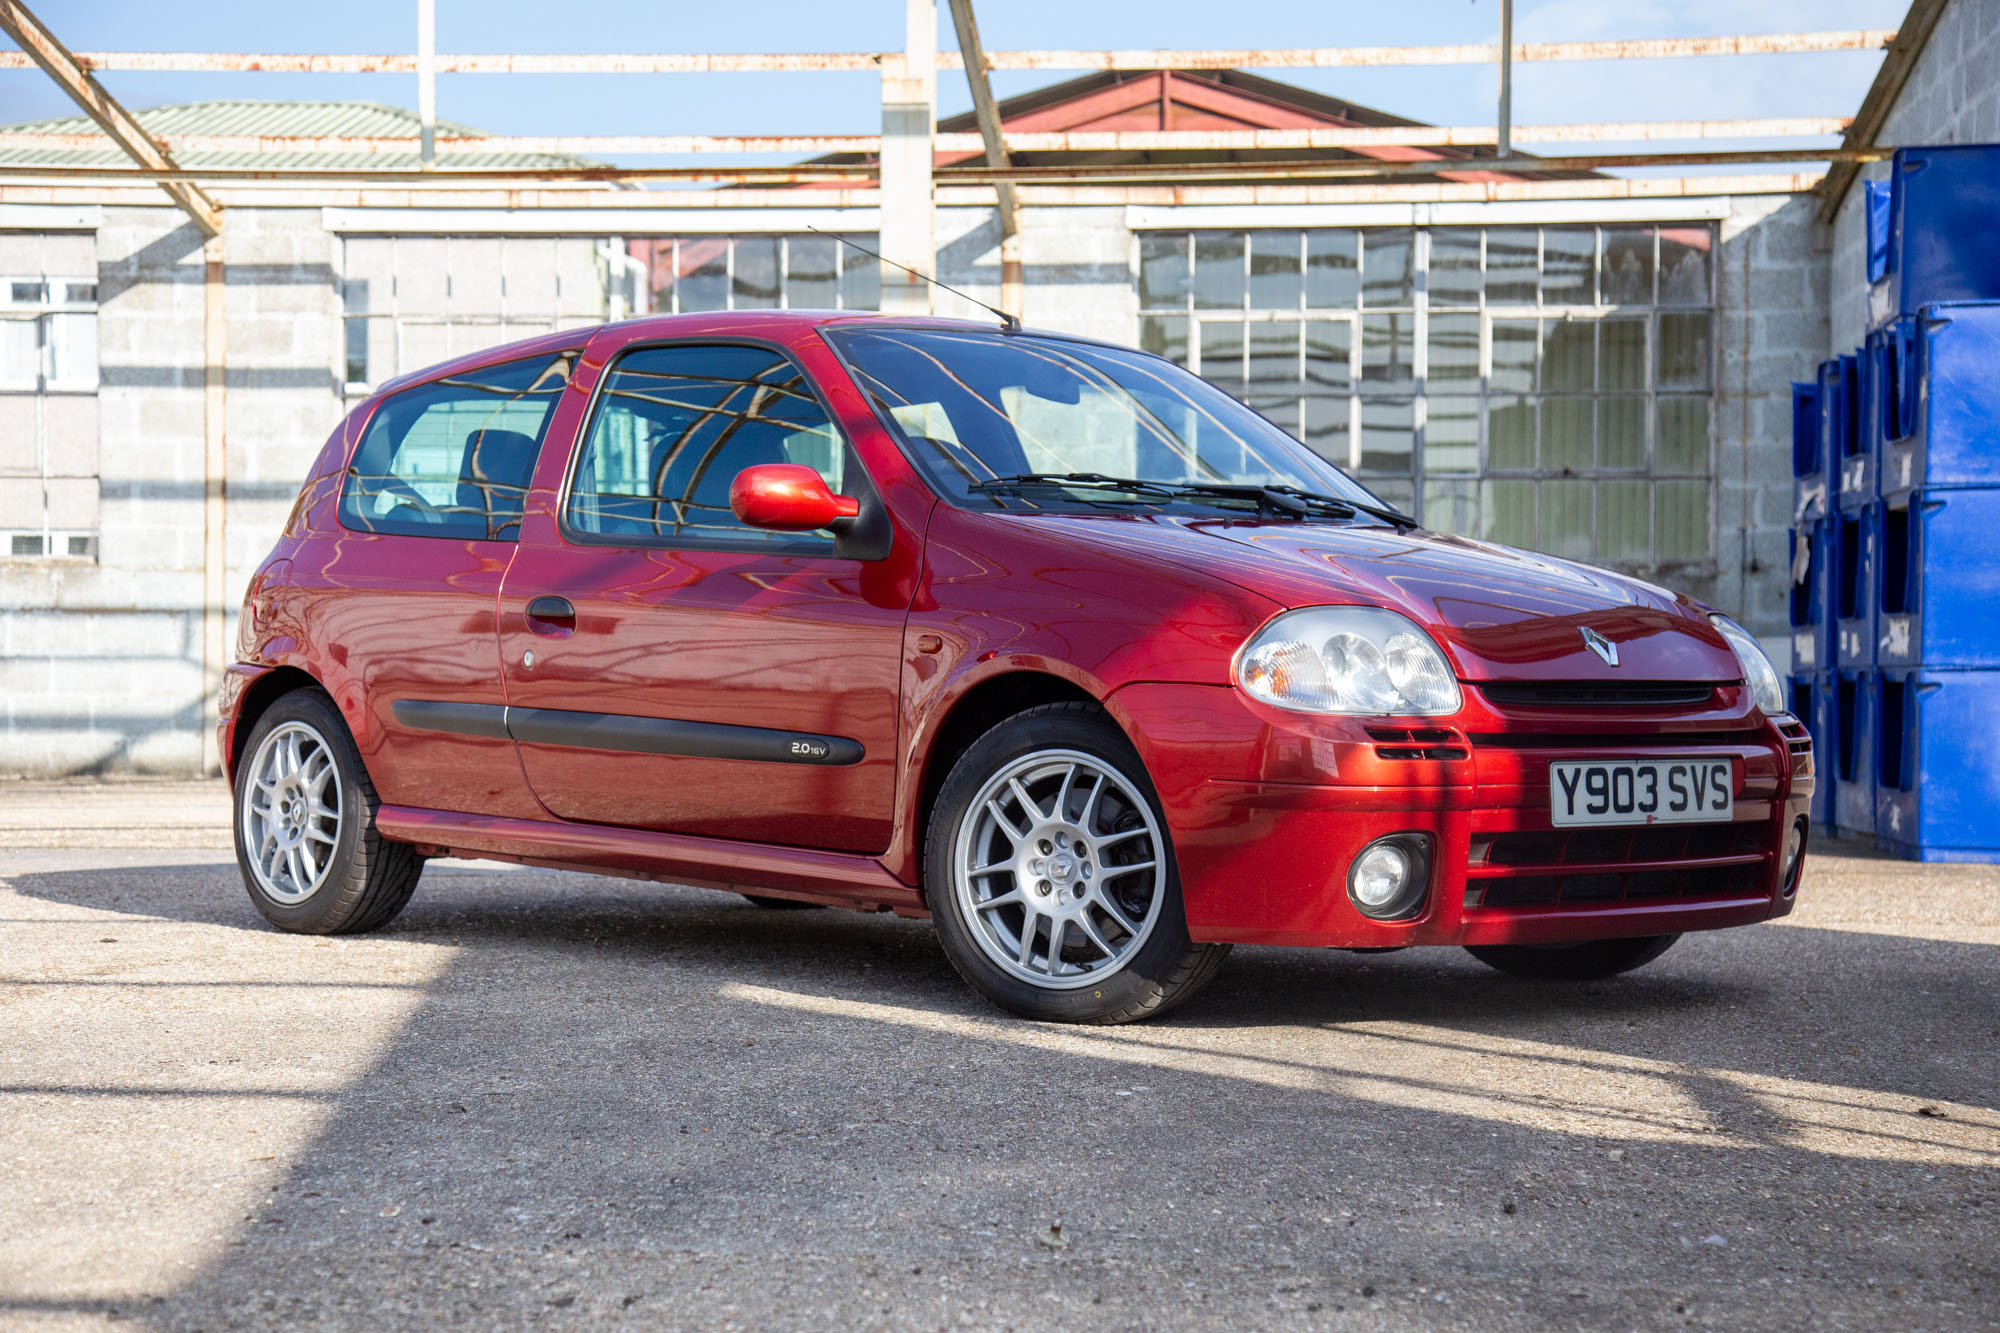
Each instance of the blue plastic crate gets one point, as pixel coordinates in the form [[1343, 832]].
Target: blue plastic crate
[[1939, 585], [1829, 400], [1856, 695], [1876, 194], [1810, 605], [1812, 704], [1856, 568], [1942, 202], [1937, 764], [1809, 467], [1944, 426], [1853, 461]]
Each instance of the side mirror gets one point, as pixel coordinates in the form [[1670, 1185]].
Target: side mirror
[[789, 497]]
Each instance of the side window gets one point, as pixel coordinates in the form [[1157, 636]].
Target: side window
[[452, 458], [673, 427]]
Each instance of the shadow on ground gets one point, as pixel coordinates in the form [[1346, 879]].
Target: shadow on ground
[[624, 1104]]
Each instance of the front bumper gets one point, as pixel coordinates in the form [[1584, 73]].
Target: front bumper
[[1268, 809]]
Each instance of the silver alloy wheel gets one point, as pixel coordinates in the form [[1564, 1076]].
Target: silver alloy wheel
[[291, 814], [1059, 869]]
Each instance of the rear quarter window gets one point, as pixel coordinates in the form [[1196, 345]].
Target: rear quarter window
[[452, 458]]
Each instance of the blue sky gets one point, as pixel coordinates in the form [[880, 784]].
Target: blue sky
[[848, 102]]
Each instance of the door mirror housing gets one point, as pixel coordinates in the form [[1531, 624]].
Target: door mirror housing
[[789, 497]]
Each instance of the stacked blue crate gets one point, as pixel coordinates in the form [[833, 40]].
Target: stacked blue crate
[[1855, 695], [1811, 601], [1941, 425], [1937, 635], [1932, 390], [1942, 202]]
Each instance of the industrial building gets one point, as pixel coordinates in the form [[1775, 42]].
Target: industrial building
[[1549, 356]]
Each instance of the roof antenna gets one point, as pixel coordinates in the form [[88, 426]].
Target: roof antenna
[[1008, 323]]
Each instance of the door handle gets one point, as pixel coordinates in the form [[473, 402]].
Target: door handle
[[552, 616]]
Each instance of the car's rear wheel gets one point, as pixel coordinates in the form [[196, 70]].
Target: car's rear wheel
[[1587, 961], [1051, 878], [306, 840]]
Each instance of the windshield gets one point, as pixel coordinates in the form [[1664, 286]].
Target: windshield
[[981, 407]]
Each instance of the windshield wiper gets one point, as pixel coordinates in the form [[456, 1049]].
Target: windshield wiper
[[1085, 481], [1395, 518], [1289, 501]]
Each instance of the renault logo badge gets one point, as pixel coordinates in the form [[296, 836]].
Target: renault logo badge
[[1600, 645]]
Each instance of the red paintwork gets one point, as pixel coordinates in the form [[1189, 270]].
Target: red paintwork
[[1145, 614], [787, 497]]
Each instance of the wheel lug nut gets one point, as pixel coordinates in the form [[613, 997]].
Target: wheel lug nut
[[1046, 846], [1042, 886]]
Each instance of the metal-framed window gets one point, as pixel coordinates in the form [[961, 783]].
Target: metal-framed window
[[48, 397], [810, 272], [1544, 386]]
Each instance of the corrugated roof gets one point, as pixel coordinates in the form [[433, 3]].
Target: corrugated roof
[[291, 119]]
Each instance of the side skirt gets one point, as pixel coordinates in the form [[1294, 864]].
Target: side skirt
[[710, 863]]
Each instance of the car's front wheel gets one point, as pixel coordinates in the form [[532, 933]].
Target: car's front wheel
[[305, 825], [1589, 961], [1051, 877]]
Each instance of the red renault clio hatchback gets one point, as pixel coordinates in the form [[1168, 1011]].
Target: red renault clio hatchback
[[1045, 639]]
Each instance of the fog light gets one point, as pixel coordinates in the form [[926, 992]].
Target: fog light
[[1388, 880], [1795, 856]]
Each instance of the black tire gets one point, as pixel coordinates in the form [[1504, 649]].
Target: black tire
[[367, 879], [777, 904], [1590, 961], [1165, 968]]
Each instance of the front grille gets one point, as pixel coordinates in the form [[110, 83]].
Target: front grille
[[1602, 846], [1734, 881], [1617, 865], [1621, 740], [1597, 694]]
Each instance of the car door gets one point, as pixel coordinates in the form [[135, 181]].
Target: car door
[[668, 667], [401, 593]]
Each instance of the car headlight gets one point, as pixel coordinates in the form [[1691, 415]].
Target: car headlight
[[1765, 686], [1347, 659]]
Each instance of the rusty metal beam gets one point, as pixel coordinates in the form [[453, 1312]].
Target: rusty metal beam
[[986, 111], [626, 202], [1869, 118], [447, 147], [1371, 168], [1069, 141], [858, 173], [1657, 48], [37, 43], [1652, 48], [862, 174]]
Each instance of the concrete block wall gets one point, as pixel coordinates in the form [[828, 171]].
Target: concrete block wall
[[101, 663], [1952, 96], [1770, 327]]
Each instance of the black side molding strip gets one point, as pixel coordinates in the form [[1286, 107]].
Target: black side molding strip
[[628, 734], [663, 735], [488, 720]]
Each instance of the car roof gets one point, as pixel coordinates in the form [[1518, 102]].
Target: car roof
[[774, 324]]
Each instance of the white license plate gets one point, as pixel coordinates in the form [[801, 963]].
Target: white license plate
[[1641, 791]]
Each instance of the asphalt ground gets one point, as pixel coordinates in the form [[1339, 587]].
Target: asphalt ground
[[556, 1100]]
